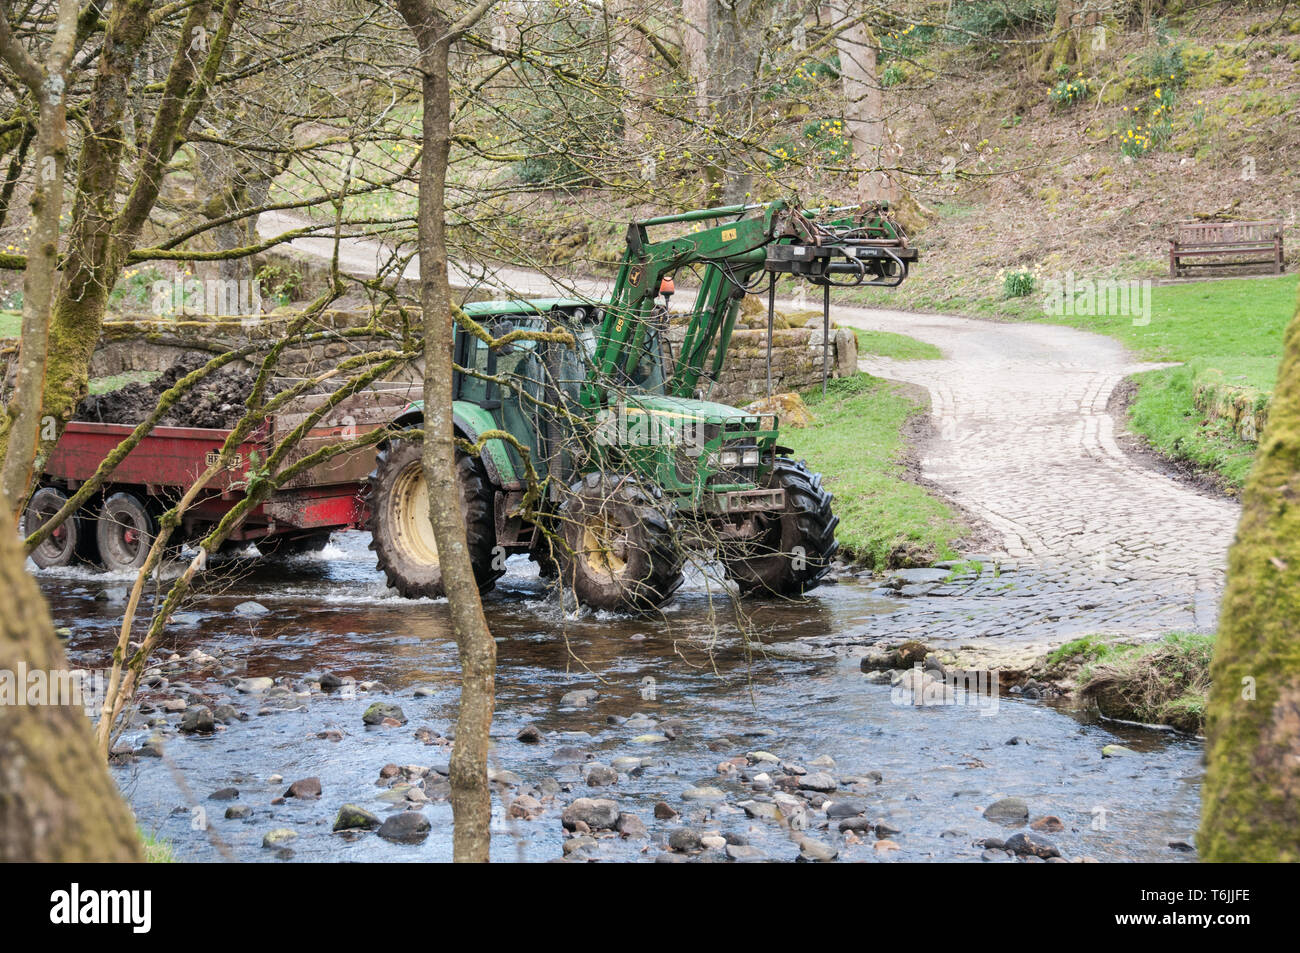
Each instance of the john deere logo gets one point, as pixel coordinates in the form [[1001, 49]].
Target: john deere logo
[[728, 234], [634, 275]]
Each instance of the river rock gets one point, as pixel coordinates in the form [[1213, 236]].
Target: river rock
[[238, 812], [224, 794], [307, 789], [579, 698], [378, 712], [685, 839], [1031, 845], [812, 850], [630, 827], [663, 811], [601, 775], [845, 807], [744, 854], [703, 794], [650, 739], [250, 610], [1009, 811], [525, 807], [330, 682], [353, 817], [405, 827], [254, 686], [1048, 824], [1116, 751], [818, 781], [599, 814], [529, 735], [279, 837]]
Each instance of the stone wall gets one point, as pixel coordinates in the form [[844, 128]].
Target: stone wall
[[796, 361], [1244, 409], [154, 345]]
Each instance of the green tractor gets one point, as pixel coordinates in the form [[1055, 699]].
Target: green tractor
[[636, 468]]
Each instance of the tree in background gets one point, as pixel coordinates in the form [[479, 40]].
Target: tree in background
[[1251, 797]]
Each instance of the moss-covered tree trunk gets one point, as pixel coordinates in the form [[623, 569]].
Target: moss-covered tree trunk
[[1063, 51], [1251, 799], [57, 800]]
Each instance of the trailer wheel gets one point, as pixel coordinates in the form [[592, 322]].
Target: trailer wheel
[[400, 532], [125, 531], [794, 550], [68, 542], [620, 550]]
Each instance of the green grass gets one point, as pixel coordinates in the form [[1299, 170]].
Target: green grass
[[156, 850], [1164, 682], [102, 385], [1234, 325], [1164, 414], [856, 443], [898, 346], [10, 323]]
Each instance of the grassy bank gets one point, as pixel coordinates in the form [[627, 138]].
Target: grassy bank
[[1163, 682], [1234, 326], [898, 346], [10, 323], [857, 443]]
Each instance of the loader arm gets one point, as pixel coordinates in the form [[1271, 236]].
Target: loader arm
[[735, 253]]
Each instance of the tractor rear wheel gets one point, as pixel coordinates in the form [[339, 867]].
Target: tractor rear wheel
[[620, 551], [70, 541], [400, 531], [794, 549]]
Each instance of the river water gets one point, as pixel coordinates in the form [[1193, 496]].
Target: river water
[[938, 766]]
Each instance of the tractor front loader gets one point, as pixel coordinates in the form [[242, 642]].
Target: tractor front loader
[[634, 468]]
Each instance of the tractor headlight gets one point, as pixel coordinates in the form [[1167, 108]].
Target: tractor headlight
[[728, 459], [749, 458]]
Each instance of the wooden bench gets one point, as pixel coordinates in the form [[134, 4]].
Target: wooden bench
[[1239, 242]]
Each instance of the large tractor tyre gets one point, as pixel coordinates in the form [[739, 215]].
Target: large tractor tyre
[[794, 549], [401, 534], [72, 540], [620, 552], [285, 545], [125, 531]]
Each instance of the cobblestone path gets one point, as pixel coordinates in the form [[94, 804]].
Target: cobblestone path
[[1023, 441]]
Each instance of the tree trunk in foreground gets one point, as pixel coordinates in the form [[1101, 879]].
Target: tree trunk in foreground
[[1250, 804], [471, 798], [57, 800]]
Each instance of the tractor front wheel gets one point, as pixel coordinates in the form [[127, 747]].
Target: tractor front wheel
[[794, 547], [619, 550], [401, 534]]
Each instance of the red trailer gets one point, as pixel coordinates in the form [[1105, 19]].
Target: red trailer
[[116, 527]]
